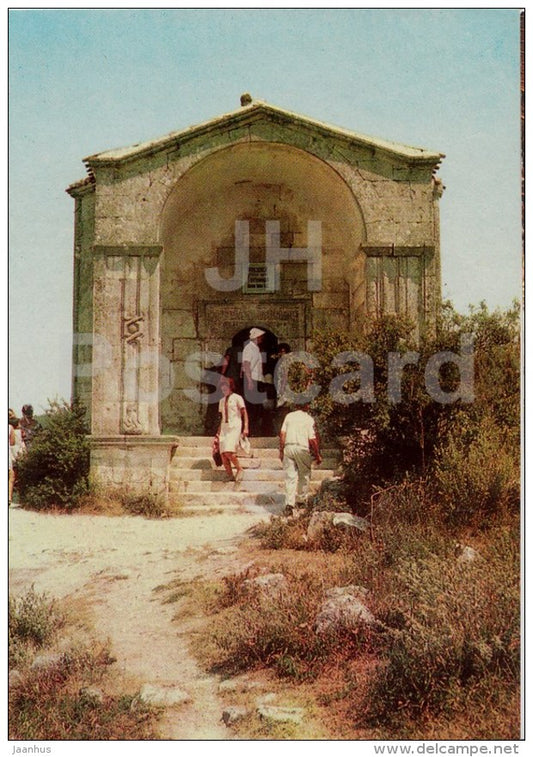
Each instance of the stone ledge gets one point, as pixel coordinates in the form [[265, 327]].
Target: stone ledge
[[392, 250], [133, 440]]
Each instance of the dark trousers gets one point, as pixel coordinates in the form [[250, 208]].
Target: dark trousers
[[254, 399]]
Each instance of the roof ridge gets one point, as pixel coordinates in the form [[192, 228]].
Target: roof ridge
[[407, 152]]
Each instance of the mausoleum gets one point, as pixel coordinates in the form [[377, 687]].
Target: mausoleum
[[259, 217]]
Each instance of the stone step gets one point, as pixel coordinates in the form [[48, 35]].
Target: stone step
[[232, 499], [250, 474], [196, 485], [263, 453], [206, 463], [258, 442], [228, 487]]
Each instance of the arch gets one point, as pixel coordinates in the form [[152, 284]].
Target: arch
[[254, 182]]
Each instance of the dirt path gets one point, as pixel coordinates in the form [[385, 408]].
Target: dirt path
[[115, 564]]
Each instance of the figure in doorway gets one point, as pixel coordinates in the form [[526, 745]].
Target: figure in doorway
[[253, 380], [280, 375], [233, 424], [231, 365]]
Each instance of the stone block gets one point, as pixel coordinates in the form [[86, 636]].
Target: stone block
[[180, 323], [330, 319]]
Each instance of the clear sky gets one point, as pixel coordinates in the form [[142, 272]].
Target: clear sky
[[84, 81]]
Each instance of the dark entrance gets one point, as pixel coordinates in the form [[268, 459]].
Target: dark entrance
[[232, 368], [269, 348]]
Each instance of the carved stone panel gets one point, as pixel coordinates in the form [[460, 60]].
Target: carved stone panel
[[285, 318]]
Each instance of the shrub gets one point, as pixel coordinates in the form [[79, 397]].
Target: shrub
[[462, 626], [382, 440], [54, 471], [476, 471], [273, 629], [281, 533]]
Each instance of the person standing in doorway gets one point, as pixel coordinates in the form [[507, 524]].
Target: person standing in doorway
[[298, 447], [231, 365], [233, 423], [253, 380]]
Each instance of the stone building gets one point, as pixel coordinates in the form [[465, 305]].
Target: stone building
[[259, 217]]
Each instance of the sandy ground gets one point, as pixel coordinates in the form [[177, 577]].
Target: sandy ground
[[115, 564]]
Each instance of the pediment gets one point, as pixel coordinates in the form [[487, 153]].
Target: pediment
[[260, 120]]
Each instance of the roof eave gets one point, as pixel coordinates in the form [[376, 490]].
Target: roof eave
[[247, 115], [81, 187]]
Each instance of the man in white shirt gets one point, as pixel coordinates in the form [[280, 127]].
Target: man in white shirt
[[253, 380], [298, 446]]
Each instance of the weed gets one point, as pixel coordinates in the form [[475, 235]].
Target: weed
[[462, 625], [33, 621], [477, 472], [52, 704], [149, 505], [49, 701]]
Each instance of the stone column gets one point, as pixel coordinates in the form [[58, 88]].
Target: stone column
[[125, 391], [127, 452]]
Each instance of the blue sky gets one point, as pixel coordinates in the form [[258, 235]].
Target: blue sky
[[84, 81]]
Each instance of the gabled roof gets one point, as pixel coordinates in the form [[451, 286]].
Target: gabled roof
[[250, 113]]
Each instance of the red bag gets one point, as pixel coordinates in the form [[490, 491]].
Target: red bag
[[217, 457]]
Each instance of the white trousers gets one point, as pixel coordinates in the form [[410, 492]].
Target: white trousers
[[297, 466]]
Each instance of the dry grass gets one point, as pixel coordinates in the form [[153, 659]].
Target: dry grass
[[75, 693], [444, 659]]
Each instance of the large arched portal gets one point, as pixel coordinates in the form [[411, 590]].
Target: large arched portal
[[233, 203]]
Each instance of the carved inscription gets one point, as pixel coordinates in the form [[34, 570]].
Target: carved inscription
[[132, 329], [285, 319]]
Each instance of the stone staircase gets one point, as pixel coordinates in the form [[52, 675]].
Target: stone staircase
[[196, 484]]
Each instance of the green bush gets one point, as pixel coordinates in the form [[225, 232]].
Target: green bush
[[476, 471], [382, 441], [54, 471]]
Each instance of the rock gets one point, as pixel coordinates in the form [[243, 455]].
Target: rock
[[352, 590], [466, 554], [15, 678], [333, 486], [270, 583], [352, 521], [324, 518], [92, 694], [165, 696], [266, 699], [44, 661], [232, 685], [281, 714], [343, 610], [318, 523], [232, 715]]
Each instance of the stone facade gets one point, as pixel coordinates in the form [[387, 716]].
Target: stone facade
[[158, 227]]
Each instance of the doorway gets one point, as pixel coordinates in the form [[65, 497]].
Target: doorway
[[231, 367]]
